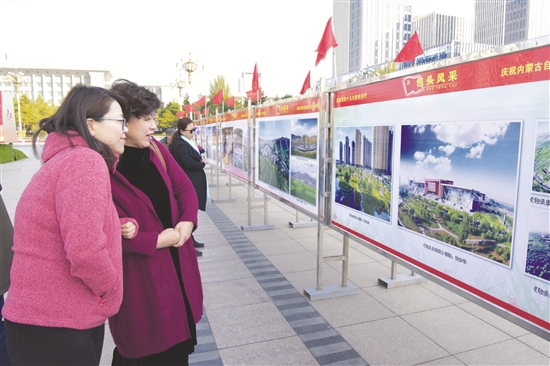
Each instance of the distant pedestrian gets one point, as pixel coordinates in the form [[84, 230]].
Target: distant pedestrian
[[66, 274], [166, 139], [188, 156]]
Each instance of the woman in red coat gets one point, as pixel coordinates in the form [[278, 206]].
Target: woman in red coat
[[162, 299]]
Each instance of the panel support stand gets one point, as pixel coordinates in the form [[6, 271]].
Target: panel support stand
[[400, 279], [303, 223]]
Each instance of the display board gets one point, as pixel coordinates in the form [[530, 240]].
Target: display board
[[449, 170], [209, 139], [287, 155], [235, 143], [8, 131]]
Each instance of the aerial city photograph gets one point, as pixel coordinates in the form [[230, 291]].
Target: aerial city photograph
[[458, 184], [303, 159], [274, 153]]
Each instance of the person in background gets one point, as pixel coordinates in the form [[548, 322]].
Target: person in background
[[162, 303], [166, 139], [6, 255], [189, 158], [66, 274]]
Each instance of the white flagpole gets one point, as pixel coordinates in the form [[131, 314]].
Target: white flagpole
[[334, 73]]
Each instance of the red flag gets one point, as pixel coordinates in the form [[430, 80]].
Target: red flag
[[189, 108], [307, 84], [218, 98], [254, 95], [411, 50], [255, 83], [206, 111], [326, 43], [201, 102], [230, 102], [180, 114]]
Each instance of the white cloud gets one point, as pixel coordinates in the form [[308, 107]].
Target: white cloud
[[476, 151], [465, 135], [440, 165], [468, 135], [419, 128], [448, 149]]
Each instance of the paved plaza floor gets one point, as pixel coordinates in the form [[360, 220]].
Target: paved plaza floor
[[256, 312]]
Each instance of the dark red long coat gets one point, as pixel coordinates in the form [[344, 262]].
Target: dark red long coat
[[152, 316]]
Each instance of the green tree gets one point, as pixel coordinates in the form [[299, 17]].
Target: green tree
[[33, 111], [215, 86], [386, 69], [167, 116]]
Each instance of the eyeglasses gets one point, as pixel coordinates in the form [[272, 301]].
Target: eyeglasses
[[192, 131], [120, 119]]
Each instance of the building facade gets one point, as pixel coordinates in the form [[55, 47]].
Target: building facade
[[51, 84], [501, 22], [369, 32], [54, 84], [436, 29]]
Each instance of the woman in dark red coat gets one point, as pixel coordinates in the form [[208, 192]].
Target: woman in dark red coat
[[163, 297]]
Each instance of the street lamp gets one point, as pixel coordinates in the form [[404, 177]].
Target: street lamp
[[180, 84], [189, 67], [17, 78]]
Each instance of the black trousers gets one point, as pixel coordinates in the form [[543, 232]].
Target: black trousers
[[35, 345]]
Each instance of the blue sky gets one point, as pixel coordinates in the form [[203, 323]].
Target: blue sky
[[478, 155], [270, 130], [342, 132], [307, 127]]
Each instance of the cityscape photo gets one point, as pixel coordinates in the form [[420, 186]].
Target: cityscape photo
[[274, 153], [541, 171], [303, 159], [363, 179], [458, 184], [538, 244]]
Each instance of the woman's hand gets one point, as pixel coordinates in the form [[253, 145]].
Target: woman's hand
[[168, 238], [128, 230], [185, 229]]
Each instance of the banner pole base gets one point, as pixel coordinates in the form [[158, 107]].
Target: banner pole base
[[401, 280], [258, 227], [331, 291]]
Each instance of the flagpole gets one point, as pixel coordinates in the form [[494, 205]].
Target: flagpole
[[334, 73]]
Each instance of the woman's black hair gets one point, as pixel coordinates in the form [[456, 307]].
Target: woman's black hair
[[82, 102], [181, 125]]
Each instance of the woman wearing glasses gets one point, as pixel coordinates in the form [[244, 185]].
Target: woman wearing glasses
[[162, 287], [187, 155], [66, 274]]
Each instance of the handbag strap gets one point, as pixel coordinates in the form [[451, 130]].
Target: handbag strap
[[155, 148]]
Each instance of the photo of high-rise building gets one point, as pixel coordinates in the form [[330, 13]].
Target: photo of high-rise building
[[364, 169]]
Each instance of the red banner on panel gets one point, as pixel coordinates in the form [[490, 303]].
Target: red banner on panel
[[521, 67], [297, 107]]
